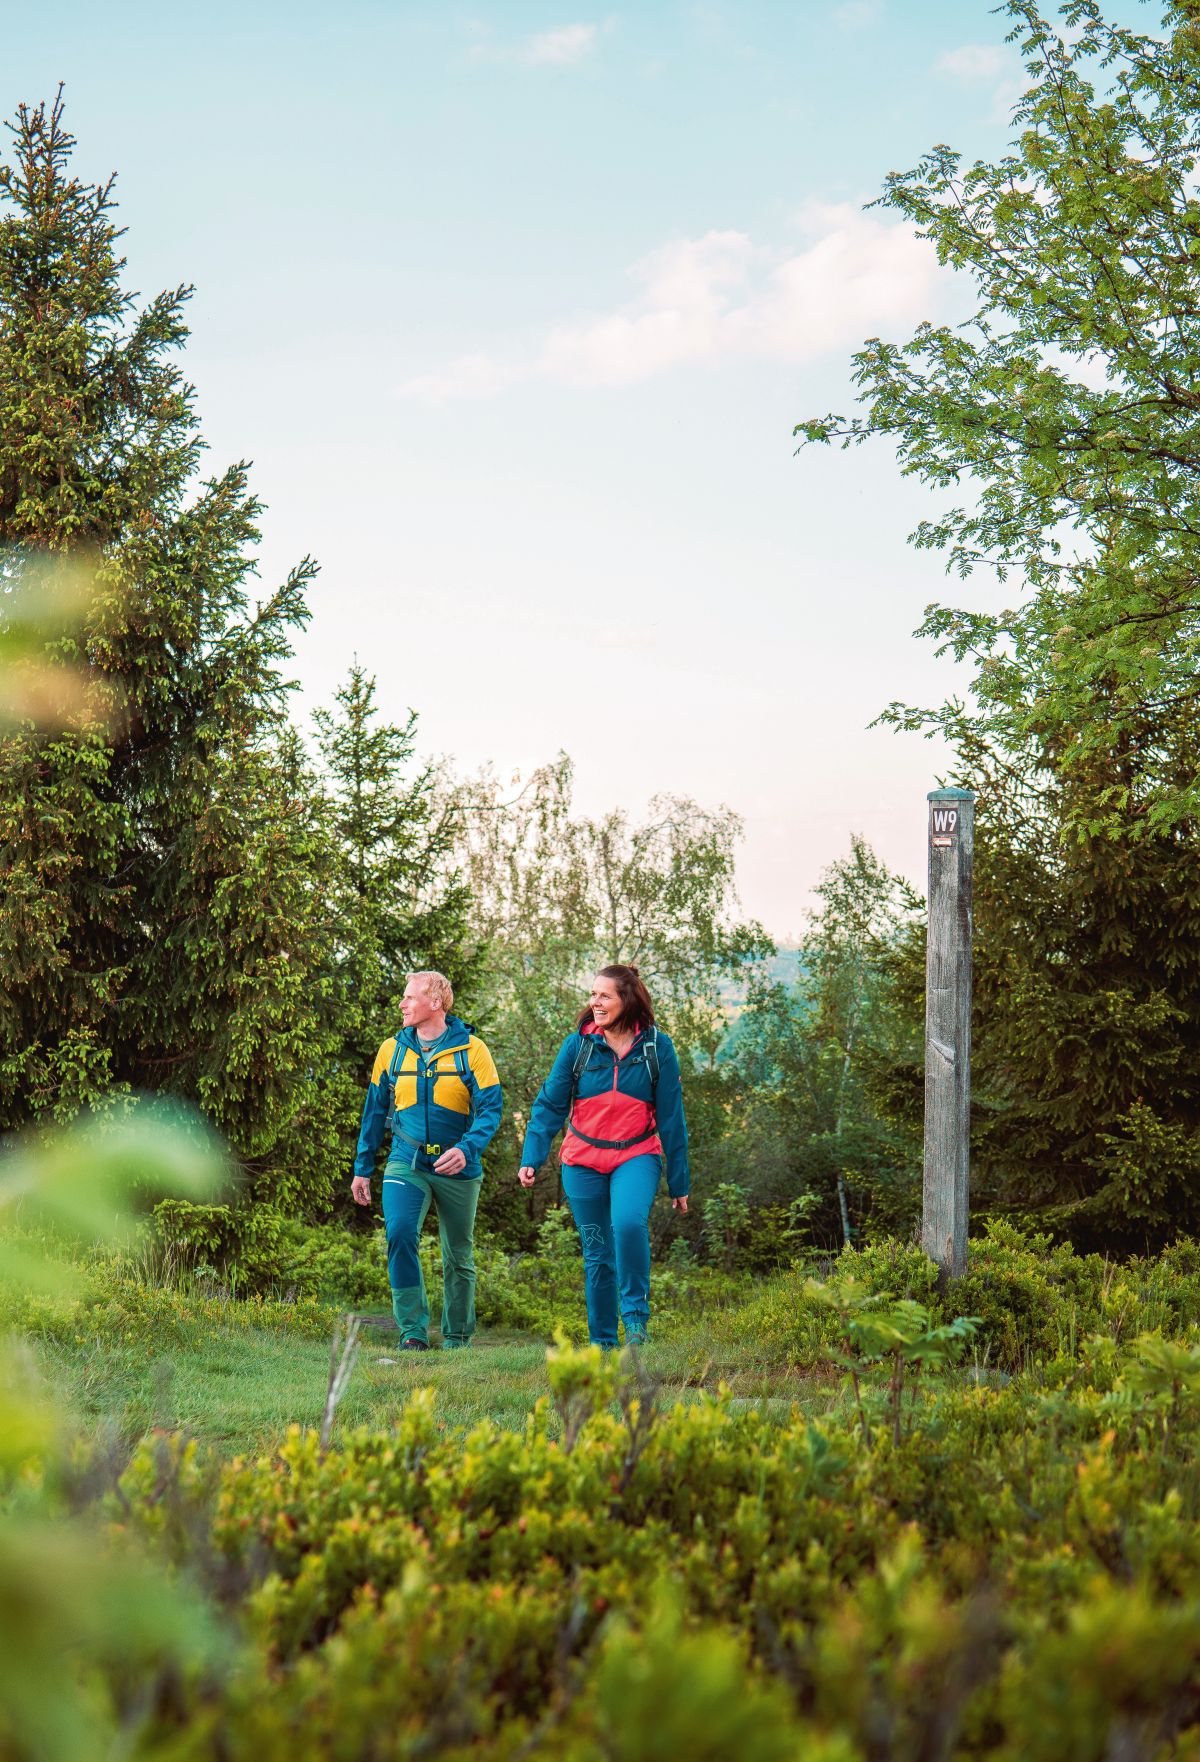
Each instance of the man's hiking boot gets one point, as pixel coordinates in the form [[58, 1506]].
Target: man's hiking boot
[[634, 1335], [413, 1346]]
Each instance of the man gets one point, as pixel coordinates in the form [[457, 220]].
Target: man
[[434, 1086]]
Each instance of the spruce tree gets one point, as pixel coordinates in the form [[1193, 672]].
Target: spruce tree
[[164, 917], [400, 900]]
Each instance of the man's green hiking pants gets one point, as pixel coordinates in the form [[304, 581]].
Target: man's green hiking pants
[[406, 1198]]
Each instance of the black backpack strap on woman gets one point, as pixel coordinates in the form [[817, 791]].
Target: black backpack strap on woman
[[582, 1057]]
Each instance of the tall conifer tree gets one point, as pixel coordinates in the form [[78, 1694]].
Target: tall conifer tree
[[163, 915], [400, 899]]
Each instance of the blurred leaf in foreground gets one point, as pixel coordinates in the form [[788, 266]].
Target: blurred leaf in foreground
[[87, 1183]]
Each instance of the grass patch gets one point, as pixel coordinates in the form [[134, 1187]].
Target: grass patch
[[237, 1388]]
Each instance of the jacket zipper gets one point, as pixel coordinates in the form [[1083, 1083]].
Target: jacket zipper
[[423, 1070], [617, 1072]]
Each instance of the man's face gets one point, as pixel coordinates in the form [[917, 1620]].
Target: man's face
[[417, 1006]]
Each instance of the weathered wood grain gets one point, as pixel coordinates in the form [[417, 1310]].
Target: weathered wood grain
[[948, 1031]]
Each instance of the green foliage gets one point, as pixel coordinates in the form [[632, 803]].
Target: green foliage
[[1089, 1027], [67, 1597], [1086, 1026], [163, 916], [400, 904], [1010, 1566], [803, 1067], [877, 1328], [542, 1293], [90, 1637], [1031, 1300], [114, 1308], [87, 1182], [77, 1261], [1015, 1573], [664, 1690], [726, 1215], [1059, 402]]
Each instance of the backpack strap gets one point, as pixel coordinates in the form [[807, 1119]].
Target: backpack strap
[[582, 1060], [651, 1052], [397, 1052], [466, 1076]]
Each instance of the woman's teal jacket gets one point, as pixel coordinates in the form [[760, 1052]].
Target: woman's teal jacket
[[614, 1103]]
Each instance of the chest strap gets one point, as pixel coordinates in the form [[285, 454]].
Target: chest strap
[[466, 1077]]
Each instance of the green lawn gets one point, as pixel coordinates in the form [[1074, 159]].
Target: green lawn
[[239, 1391]]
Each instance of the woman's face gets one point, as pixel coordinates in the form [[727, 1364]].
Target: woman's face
[[606, 1002]]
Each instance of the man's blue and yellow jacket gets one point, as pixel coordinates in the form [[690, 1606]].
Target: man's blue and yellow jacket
[[442, 1099]]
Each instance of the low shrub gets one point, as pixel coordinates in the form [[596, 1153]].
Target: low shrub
[[1017, 1575], [114, 1307], [1033, 1300], [347, 1268], [544, 1291], [121, 1301], [981, 1564]]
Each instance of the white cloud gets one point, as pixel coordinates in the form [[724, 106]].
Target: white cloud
[[856, 15], [982, 63], [564, 46], [613, 637], [719, 298], [975, 61], [561, 47]]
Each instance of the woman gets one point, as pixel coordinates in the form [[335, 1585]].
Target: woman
[[616, 1084]]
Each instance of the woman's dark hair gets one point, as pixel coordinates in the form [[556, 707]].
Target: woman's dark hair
[[637, 1011]]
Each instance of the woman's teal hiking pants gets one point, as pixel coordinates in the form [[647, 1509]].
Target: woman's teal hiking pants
[[613, 1214]]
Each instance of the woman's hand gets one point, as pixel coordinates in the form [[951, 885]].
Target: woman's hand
[[360, 1187], [527, 1176], [680, 1204]]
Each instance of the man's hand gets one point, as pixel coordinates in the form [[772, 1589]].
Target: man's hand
[[360, 1187], [450, 1161], [527, 1176], [679, 1204]]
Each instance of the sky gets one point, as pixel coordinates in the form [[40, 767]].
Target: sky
[[514, 308]]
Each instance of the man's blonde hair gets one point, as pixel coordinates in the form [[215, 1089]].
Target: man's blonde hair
[[436, 987]]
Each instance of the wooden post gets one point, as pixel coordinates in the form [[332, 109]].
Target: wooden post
[[948, 1031]]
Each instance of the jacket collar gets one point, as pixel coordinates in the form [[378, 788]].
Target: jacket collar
[[598, 1031], [458, 1037]]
